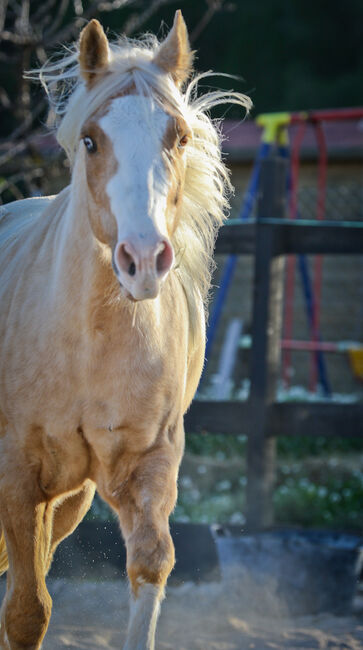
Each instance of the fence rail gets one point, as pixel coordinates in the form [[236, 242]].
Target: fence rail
[[284, 419], [294, 237], [270, 238]]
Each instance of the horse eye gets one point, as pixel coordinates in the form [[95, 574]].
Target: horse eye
[[183, 141], [89, 144]]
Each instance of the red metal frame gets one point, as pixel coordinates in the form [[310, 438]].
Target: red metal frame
[[291, 260], [316, 119], [328, 115], [318, 261], [310, 346]]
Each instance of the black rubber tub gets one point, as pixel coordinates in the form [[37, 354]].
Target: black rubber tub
[[95, 551], [278, 572], [295, 571]]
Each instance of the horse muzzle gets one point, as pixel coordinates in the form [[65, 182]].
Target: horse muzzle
[[142, 269]]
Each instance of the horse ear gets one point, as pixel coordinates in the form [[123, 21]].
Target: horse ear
[[94, 52], [174, 54]]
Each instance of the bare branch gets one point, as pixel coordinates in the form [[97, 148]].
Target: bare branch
[[26, 124], [65, 35], [13, 151], [22, 24], [137, 20], [8, 58], [51, 36], [213, 7], [43, 10], [19, 39], [4, 98], [113, 5], [12, 187], [23, 176], [3, 8], [15, 7], [57, 21], [41, 54], [78, 7], [71, 30]]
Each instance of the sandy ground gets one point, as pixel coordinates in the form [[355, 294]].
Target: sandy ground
[[91, 615]]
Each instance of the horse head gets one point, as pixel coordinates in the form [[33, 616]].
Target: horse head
[[133, 150]]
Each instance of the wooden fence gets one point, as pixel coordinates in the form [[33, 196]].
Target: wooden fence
[[270, 238]]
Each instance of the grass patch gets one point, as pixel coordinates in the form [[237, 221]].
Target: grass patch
[[319, 481]]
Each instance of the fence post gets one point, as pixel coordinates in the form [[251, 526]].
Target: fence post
[[265, 353]]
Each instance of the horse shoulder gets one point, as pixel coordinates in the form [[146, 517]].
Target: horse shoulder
[[24, 209]]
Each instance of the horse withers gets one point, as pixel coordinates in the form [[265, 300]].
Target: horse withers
[[102, 322]]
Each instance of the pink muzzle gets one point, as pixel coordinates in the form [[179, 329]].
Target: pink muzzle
[[141, 268]]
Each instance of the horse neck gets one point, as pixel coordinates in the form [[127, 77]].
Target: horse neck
[[80, 278]]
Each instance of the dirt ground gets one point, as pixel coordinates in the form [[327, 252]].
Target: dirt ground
[[93, 615]]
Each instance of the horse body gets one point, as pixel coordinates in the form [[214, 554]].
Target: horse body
[[91, 391], [76, 359], [94, 376]]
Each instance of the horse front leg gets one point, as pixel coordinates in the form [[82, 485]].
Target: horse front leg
[[150, 553], [145, 501], [27, 522], [68, 514]]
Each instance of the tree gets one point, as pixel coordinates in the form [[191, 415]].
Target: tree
[[29, 31]]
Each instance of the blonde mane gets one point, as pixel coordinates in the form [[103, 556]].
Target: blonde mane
[[207, 184]]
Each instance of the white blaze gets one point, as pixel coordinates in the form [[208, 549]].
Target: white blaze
[[138, 190]]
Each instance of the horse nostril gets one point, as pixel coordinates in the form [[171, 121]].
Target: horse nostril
[[140, 263], [125, 259], [164, 259]]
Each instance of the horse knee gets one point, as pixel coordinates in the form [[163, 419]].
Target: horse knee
[[150, 558], [26, 620]]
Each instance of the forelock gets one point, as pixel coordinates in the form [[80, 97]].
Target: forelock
[[147, 80]]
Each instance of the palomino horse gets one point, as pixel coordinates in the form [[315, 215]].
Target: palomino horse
[[102, 319]]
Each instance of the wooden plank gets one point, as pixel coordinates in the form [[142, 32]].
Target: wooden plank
[[315, 238], [317, 419], [283, 418], [226, 417], [266, 348], [318, 238], [237, 239]]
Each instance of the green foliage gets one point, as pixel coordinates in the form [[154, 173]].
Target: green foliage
[[223, 508], [296, 447], [216, 446], [335, 502], [319, 482], [302, 446]]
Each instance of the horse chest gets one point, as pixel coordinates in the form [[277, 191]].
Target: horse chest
[[130, 386]]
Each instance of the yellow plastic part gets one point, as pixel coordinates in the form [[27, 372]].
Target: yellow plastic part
[[274, 127], [356, 362]]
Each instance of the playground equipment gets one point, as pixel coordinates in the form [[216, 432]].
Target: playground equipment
[[275, 140], [356, 362]]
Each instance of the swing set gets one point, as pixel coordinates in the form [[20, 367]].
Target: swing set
[[275, 139]]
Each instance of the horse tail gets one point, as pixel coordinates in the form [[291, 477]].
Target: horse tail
[[4, 562]]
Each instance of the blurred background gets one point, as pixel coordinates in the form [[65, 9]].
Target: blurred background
[[290, 56]]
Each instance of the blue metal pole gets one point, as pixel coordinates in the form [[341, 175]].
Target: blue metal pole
[[231, 262], [310, 304]]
